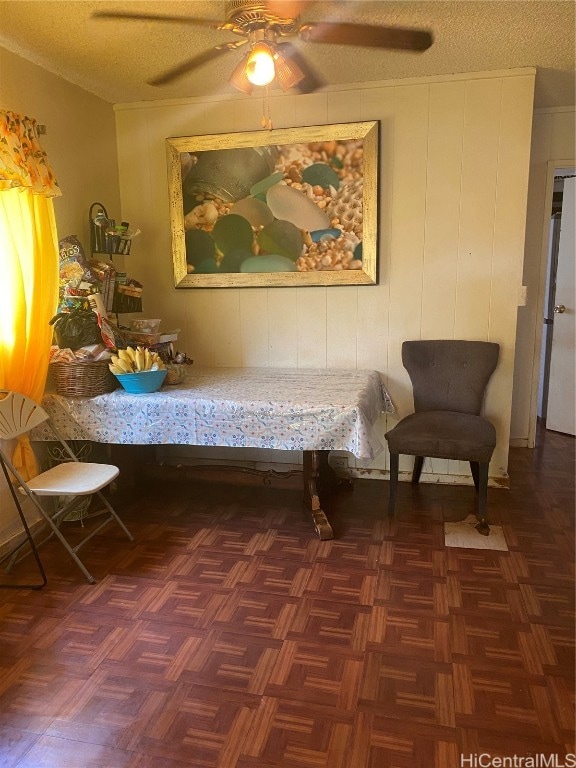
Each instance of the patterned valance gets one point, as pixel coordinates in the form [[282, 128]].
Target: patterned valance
[[23, 162]]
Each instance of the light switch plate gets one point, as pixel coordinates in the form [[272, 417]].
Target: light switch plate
[[522, 295]]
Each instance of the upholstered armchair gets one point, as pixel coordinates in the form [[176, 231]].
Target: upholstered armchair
[[449, 378]]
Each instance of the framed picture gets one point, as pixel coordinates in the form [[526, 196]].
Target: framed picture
[[289, 207]]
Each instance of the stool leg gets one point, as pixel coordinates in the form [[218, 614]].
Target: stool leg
[[394, 461]]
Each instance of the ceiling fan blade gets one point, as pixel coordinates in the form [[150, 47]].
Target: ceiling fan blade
[[366, 35], [196, 61], [312, 80], [210, 23], [287, 8]]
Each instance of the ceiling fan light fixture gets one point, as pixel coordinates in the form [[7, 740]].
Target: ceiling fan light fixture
[[260, 68], [263, 25]]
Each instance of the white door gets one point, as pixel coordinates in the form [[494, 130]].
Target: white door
[[560, 416]]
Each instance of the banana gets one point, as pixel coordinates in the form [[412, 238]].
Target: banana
[[139, 359], [124, 366], [120, 367], [132, 360], [156, 361]]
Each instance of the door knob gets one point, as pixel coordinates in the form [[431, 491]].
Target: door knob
[[560, 309]]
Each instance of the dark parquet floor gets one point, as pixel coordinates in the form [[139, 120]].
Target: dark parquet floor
[[228, 636]]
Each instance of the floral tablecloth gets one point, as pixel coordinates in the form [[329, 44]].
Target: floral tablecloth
[[285, 409]]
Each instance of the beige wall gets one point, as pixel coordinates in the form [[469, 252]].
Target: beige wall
[[80, 142], [81, 146], [553, 144], [453, 186]]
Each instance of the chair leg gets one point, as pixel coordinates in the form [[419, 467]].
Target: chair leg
[[475, 474], [30, 539], [112, 511], [54, 528], [71, 551], [482, 526], [417, 471], [394, 461]]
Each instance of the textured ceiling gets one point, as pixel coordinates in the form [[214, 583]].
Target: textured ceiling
[[114, 59]]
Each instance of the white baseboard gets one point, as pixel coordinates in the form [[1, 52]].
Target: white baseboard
[[427, 477], [10, 539]]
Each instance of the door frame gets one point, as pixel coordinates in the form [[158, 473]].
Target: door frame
[[552, 167]]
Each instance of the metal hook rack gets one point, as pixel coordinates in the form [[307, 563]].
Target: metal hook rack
[[105, 236]]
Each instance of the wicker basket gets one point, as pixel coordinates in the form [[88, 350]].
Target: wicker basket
[[83, 379]]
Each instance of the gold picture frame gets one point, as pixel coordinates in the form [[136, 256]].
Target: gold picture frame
[[286, 207]]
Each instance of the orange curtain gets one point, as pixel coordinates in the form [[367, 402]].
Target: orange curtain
[[28, 264]]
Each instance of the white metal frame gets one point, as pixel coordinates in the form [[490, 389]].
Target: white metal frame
[[73, 479]]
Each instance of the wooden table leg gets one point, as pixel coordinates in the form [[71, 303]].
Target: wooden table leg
[[130, 460], [319, 478]]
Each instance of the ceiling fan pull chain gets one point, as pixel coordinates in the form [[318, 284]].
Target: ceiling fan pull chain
[[266, 118]]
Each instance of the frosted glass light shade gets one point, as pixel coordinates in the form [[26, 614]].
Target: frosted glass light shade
[[238, 78], [288, 73]]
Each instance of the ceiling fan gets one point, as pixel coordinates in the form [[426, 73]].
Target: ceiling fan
[[263, 25]]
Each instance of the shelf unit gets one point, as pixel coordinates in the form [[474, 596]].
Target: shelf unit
[[125, 298]]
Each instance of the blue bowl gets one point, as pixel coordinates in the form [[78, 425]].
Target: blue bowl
[[142, 381]]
